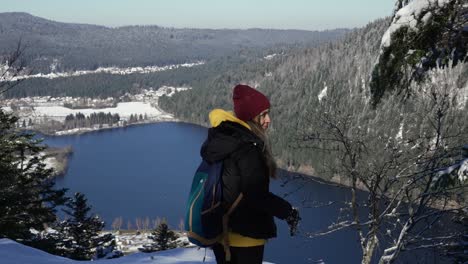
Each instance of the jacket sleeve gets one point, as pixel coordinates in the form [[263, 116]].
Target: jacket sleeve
[[254, 184]]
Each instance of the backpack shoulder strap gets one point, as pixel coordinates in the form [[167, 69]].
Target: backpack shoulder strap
[[226, 243]]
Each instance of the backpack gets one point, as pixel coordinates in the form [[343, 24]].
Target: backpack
[[204, 212]]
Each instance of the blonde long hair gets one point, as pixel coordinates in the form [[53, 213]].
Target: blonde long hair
[[267, 153]]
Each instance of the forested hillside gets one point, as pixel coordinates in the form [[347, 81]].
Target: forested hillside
[[354, 66], [293, 82], [113, 85], [55, 46]]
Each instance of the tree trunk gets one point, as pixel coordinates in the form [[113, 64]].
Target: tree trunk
[[368, 252]]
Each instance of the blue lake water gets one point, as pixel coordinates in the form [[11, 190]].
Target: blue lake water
[[146, 171]]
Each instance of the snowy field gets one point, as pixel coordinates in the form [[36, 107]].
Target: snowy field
[[124, 110], [14, 253]]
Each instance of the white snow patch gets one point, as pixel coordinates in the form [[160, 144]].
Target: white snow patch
[[323, 93], [463, 171], [399, 135], [75, 131], [269, 57], [50, 162], [427, 17], [6, 108], [463, 95], [168, 90]]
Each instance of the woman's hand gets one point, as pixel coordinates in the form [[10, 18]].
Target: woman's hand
[[293, 220]]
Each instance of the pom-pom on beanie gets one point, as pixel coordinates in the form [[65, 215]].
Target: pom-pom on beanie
[[248, 102]]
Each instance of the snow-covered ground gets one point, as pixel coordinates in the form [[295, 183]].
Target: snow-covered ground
[[124, 110], [42, 110], [14, 253], [131, 242]]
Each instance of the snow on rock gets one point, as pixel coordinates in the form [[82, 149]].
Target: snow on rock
[[408, 17], [14, 253]]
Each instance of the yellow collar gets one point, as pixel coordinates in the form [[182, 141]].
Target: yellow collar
[[219, 115]]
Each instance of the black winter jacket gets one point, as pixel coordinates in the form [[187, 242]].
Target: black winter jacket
[[245, 171]]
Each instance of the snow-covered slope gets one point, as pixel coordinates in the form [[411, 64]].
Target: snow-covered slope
[[14, 253]]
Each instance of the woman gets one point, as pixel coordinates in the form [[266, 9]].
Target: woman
[[240, 141]]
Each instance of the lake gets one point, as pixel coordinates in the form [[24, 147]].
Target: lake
[[146, 171]]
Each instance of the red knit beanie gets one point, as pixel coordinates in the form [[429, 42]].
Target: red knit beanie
[[248, 102]]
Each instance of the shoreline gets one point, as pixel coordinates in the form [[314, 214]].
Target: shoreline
[[337, 182], [85, 130], [57, 158]]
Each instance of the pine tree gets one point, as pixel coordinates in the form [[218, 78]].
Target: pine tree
[[82, 239], [27, 195], [163, 239]]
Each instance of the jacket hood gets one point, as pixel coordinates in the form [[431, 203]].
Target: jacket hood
[[218, 116], [226, 135]]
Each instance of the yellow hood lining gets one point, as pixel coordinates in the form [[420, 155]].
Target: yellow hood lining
[[217, 116]]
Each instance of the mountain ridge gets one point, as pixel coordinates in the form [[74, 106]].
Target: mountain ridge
[[84, 46]]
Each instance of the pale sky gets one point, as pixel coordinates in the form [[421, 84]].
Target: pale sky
[[278, 14]]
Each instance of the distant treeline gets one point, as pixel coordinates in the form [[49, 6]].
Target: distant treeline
[[80, 120]]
